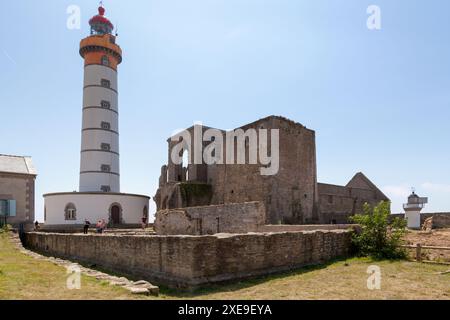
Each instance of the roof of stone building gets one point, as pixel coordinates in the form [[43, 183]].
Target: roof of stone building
[[281, 118], [361, 177], [17, 164], [359, 181]]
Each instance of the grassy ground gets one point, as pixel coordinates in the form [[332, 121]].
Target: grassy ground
[[22, 277]]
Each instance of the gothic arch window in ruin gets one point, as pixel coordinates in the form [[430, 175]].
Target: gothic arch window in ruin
[[185, 164]]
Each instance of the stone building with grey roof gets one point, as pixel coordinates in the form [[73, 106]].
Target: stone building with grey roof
[[17, 189]]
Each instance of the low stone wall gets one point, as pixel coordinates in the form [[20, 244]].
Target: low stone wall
[[77, 228], [192, 261], [226, 218], [440, 219], [309, 227]]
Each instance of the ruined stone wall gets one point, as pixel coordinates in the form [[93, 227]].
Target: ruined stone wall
[[19, 187], [440, 220], [228, 218], [290, 196], [192, 261]]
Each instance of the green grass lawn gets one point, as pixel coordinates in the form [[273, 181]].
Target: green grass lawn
[[22, 277]]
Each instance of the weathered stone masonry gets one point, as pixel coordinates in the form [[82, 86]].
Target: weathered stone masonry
[[192, 261], [227, 218]]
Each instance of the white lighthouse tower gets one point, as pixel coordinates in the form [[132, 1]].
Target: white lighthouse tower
[[412, 210], [99, 196], [99, 168]]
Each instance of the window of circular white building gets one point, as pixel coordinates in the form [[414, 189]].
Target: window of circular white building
[[70, 212]]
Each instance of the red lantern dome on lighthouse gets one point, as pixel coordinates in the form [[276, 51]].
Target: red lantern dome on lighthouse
[[100, 24]]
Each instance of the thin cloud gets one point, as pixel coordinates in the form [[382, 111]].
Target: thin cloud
[[436, 187], [401, 191]]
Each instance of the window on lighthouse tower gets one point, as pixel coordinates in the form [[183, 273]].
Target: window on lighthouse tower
[[105, 61], [105, 125], [106, 104], [105, 83]]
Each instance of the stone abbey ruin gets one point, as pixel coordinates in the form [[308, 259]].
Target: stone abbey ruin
[[212, 198]]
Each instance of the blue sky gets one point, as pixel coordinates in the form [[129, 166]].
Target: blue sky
[[378, 100]]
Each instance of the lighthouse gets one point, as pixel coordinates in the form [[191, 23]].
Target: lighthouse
[[99, 196], [99, 164], [412, 210]]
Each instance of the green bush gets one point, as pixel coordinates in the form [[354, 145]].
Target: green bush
[[4, 228], [379, 237]]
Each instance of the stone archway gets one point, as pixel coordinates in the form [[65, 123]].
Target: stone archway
[[115, 214]]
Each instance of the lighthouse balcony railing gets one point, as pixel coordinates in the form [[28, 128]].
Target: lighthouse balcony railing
[[413, 206]]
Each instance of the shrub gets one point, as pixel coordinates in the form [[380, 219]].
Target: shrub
[[379, 237], [4, 228]]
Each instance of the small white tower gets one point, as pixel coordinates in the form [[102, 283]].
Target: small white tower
[[412, 210]]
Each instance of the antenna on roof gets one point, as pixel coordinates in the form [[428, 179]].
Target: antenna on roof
[[413, 190]]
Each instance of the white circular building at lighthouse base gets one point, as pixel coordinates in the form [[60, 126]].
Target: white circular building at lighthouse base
[[74, 208]]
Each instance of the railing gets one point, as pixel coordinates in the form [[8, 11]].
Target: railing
[[414, 205], [419, 248]]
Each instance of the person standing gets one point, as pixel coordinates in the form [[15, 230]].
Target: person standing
[[98, 226], [87, 224]]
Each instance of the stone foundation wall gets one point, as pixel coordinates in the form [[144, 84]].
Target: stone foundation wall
[[227, 218], [192, 261]]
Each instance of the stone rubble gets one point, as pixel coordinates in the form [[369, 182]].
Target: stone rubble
[[428, 225], [140, 287]]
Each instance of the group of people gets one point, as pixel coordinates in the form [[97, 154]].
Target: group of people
[[101, 225]]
